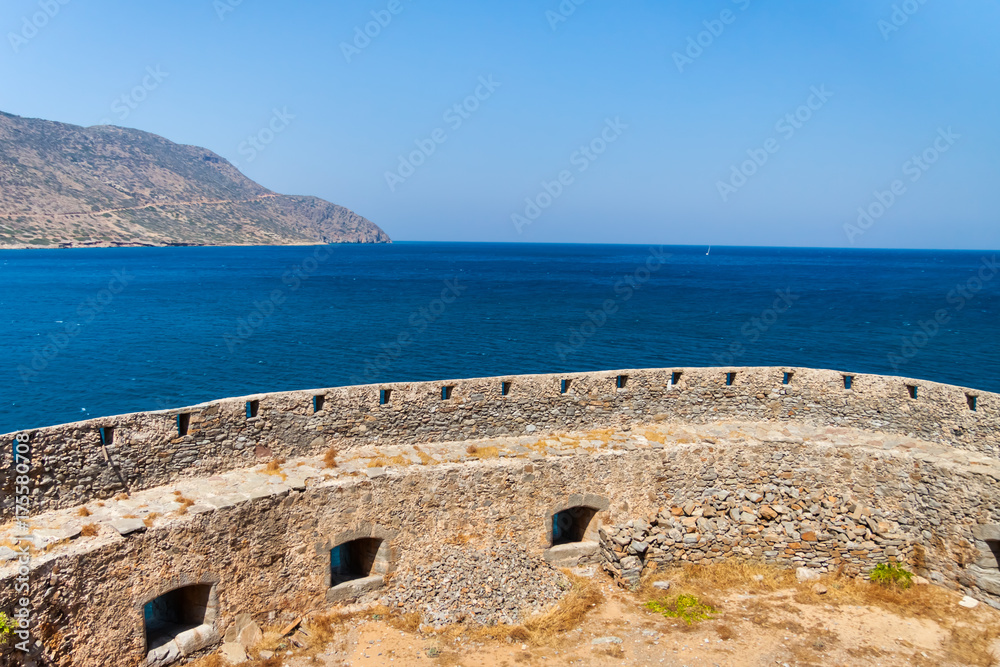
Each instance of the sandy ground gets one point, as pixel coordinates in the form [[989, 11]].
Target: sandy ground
[[788, 626]]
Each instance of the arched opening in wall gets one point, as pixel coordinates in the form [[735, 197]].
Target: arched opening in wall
[[353, 560], [572, 525], [180, 621], [357, 567]]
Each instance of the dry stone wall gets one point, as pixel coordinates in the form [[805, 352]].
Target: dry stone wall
[[813, 505], [73, 463], [461, 535]]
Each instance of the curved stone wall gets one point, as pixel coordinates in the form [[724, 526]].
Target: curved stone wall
[[807, 473], [146, 449], [270, 557]]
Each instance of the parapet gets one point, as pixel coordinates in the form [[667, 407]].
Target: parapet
[[99, 458]]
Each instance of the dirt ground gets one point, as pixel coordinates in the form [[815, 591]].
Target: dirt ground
[[762, 617]]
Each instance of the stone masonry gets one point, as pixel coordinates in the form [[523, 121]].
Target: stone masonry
[[805, 474]]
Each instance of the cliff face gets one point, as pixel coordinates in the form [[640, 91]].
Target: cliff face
[[64, 185]]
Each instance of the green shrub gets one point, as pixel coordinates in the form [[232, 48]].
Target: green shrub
[[6, 628], [891, 574], [688, 608]]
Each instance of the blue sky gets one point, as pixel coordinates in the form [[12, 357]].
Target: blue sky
[[677, 117]]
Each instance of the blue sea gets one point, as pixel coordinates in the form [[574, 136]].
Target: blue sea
[[92, 332]]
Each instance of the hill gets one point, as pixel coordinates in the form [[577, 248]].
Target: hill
[[69, 186]]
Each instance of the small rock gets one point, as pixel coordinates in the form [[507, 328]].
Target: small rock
[[819, 589], [662, 585], [920, 581], [758, 577], [968, 603], [804, 574], [606, 640], [127, 526], [233, 653]]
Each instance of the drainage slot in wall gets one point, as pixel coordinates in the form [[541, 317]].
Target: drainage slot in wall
[[383, 396], [183, 421], [179, 622], [353, 560], [564, 386], [788, 378], [730, 378], [252, 408], [446, 393], [504, 388], [571, 525], [107, 435], [911, 389], [318, 402], [973, 402], [676, 377], [848, 381], [620, 381]]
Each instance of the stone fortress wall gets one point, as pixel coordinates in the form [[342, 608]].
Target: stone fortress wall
[[146, 450], [791, 500]]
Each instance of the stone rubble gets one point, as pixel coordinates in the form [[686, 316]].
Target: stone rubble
[[488, 585]]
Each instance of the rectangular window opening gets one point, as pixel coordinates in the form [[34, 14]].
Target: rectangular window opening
[[252, 408], [564, 386], [504, 388], [848, 382], [175, 612], [621, 380], [788, 378], [446, 393], [353, 560], [676, 377], [383, 396], [911, 389], [973, 402], [730, 378], [318, 402], [107, 435], [183, 421]]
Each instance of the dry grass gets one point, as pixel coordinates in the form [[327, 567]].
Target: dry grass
[[459, 539], [210, 660], [121, 496], [330, 458], [425, 458], [583, 597], [484, 452], [383, 461], [969, 645], [149, 519], [89, 530], [471, 449], [185, 503], [273, 466], [968, 642], [721, 577], [83, 511]]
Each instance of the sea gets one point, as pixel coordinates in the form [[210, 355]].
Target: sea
[[94, 332]]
